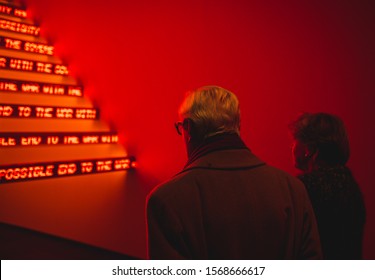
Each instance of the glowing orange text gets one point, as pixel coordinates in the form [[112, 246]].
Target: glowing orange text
[[19, 27], [26, 172], [10, 10]]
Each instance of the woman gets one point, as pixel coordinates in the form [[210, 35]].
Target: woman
[[320, 151]]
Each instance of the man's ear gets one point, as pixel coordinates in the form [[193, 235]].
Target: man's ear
[[192, 129]]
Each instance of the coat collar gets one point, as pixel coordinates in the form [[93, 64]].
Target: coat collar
[[226, 159]]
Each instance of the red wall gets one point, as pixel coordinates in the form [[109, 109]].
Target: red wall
[[137, 58]]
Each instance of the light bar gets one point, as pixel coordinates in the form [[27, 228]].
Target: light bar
[[12, 63], [13, 11], [35, 139], [40, 88], [19, 27], [21, 45], [47, 112], [46, 170]]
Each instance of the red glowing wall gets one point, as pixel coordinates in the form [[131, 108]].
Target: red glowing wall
[[137, 58]]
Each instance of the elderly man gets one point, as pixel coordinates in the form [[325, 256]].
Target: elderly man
[[226, 203]]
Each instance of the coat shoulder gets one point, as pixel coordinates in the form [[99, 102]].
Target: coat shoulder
[[172, 187]]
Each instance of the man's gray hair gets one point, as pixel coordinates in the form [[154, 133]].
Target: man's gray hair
[[213, 109]]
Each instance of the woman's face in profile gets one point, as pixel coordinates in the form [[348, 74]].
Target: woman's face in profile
[[300, 158]]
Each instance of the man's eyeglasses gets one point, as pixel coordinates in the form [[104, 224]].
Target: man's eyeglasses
[[179, 127]]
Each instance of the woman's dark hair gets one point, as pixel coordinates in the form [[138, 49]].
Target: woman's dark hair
[[324, 133]]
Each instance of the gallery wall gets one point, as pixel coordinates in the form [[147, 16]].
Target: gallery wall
[[136, 60]]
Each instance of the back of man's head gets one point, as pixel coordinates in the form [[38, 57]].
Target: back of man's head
[[213, 110]]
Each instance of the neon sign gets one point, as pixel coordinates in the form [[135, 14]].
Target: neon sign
[[20, 45], [13, 11], [40, 88], [47, 112], [34, 139], [19, 27], [12, 63], [45, 170]]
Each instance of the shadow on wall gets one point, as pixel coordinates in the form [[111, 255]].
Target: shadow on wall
[[134, 220]]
